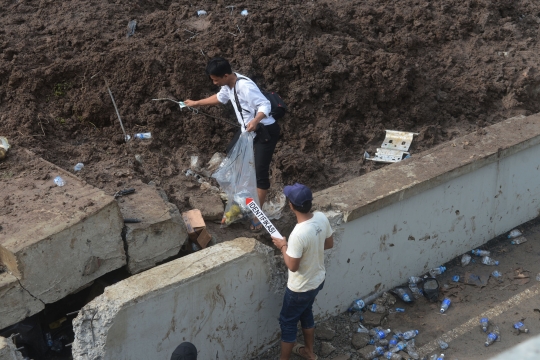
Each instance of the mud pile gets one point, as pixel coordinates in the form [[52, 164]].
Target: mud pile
[[347, 70]]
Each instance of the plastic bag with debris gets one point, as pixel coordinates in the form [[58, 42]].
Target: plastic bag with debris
[[236, 177]]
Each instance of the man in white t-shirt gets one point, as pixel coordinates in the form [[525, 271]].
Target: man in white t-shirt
[[252, 110], [304, 256]]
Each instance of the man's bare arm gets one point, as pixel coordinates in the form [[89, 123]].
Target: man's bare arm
[[329, 243], [212, 100], [292, 263]]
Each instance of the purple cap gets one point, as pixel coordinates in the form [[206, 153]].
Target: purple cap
[[298, 194]]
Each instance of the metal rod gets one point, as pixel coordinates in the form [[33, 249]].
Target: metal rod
[[73, 313], [116, 108]]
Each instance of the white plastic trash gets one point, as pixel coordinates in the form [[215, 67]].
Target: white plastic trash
[[201, 13], [59, 181], [514, 234], [78, 167], [244, 12]]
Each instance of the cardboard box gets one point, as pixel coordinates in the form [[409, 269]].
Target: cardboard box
[[196, 228]]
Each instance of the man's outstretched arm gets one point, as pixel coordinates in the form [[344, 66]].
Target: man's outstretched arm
[[211, 100], [292, 263]]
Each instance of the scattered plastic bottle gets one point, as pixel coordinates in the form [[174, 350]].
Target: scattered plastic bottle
[[514, 234], [402, 294], [411, 349], [407, 335], [357, 305], [519, 326], [132, 26], [484, 323], [479, 252], [362, 329], [437, 271], [455, 278], [380, 334], [379, 350], [78, 167], [142, 136], [399, 346], [59, 181], [49, 339], [497, 275], [486, 260], [492, 337], [377, 309], [416, 291], [443, 345], [392, 356], [445, 305], [441, 357], [415, 280], [518, 240], [465, 259], [392, 342], [244, 12], [201, 12], [433, 357], [396, 310]]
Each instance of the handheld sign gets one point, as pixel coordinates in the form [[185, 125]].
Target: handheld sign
[[256, 210]]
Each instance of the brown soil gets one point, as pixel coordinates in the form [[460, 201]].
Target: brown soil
[[347, 70]]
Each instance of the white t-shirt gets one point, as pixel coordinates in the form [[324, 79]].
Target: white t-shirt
[[307, 242], [251, 100]]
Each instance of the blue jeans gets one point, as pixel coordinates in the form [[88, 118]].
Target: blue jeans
[[297, 306]]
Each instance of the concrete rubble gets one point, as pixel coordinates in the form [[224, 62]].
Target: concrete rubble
[[15, 302], [8, 350], [159, 234], [210, 205]]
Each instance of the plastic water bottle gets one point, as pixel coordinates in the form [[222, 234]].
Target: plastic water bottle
[[443, 345], [492, 337], [362, 329], [49, 339], [142, 136], [378, 351], [445, 305], [357, 305], [78, 167], [433, 357], [484, 322], [415, 280], [403, 294], [390, 355], [441, 357], [519, 240], [397, 310], [437, 271], [479, 252], [377, 309], [411, 349], [417, 293], [201, 12], [59, 181], [520, 327], [407, 335], [486, 260], [455, 278], [392, 342], [465, 259], [244, 12], [380, 334], [514, 234], [399, 346]]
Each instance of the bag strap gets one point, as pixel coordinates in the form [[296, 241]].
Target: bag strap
[[238, 106]]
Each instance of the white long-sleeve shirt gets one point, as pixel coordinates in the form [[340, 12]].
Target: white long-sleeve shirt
[[251, 100]]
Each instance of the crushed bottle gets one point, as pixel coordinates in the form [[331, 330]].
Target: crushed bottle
[[415, 280], [479, 252], [377, 309], [59, 181], [520, 327], [380, 334], [407, 335], [465, 259], [392, 356], [455, 278], [441, 357], [201, 13], [379, 350], [493, 336], [392, 342], [497, 275], [437, 271], [443, 345], [416, 291], [514, 234], [486, 260], [445, 305], [362, 329], [484, 323], [78, 167], [244, 12], [396, 310], [132, 25], [411, 349], [142, 136], [402, 294], [518, 240], [357, 305], [433, 357], [398, 347]]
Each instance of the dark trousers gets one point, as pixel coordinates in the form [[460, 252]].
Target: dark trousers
[[264, 150]]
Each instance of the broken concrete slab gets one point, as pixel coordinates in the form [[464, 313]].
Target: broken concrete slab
[[54, 239], [8, 351], [159, 235], [210, 205], [16, 304], [224, 299]]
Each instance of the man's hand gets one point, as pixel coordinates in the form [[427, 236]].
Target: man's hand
[[279, 243], [191, 103], [252, 125]]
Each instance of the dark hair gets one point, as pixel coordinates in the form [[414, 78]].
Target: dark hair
[[218, 66], [304, 209]]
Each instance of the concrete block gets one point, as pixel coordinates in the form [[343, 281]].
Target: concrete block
[[223, 299], [210, 205], [8, 350], [15, 303], [159, 235], [56, 240]]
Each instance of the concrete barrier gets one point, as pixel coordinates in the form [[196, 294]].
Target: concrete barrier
[[221, 299], [529, 350], [389, 224]]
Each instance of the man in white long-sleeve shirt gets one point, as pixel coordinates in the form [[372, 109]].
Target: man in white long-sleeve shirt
[[252, 108]]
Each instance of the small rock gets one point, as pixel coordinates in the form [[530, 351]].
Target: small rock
[[326, 349], [372, 319], [364, 352], [360, 340], [386, 299], [210, 205], [342, 357], [324, 333]]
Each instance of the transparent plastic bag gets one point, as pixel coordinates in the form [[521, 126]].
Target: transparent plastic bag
[[236, 177]]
